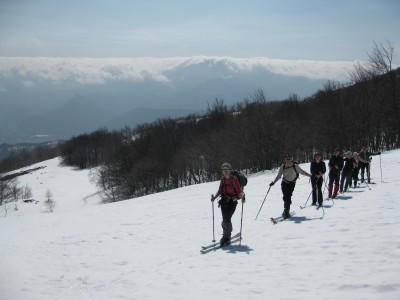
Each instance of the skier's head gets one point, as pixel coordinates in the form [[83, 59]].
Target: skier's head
[[288, 157], [318, 156], [226, 166], [337, 152]]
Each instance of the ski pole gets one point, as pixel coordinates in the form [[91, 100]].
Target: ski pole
[[367, 185], [380, 165], [212, 205], [322, 206], [308, 197], [333, 202], [241, 225], [262, 203], [323, 192]]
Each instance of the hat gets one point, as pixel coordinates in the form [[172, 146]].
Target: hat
[[288, 156], [226, 166]]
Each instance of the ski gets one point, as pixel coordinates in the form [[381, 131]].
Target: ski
[[218, 246], [280, 218]]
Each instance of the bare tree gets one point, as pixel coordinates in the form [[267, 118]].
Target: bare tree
[[380, 63], [49, 203], [381, 58], [7, 188], [27, 192], [7, 192]]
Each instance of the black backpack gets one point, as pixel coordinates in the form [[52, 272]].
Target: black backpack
[[241, 177]]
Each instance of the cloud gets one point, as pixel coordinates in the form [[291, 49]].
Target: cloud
[[28, 83], [92, 71]]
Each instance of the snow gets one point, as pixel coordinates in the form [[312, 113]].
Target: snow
[[148, 247]]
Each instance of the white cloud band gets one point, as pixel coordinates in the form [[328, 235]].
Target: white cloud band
[[101, 70]]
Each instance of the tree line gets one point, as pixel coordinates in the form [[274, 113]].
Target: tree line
[[27, 156], [252, 135]]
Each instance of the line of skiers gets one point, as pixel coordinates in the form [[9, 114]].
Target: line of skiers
[[343, 172]]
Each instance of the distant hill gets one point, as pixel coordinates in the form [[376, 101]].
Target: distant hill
[[44, 99]]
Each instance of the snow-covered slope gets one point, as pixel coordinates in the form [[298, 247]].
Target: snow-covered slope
[[148, 248]]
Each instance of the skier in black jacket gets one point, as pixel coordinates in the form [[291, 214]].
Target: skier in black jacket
[[345, 180], [356, 169], [317, 170], [335, 167], [365, 162]]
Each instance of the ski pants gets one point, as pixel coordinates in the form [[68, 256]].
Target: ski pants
[[334, 176], [316, 184], [365, 167], [345, 181], [228, 207], [287, 191], [354, 176]]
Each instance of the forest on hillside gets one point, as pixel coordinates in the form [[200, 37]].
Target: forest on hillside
[[253, 135]]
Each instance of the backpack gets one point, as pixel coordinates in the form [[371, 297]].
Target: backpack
[[294, 168], [240, 176]]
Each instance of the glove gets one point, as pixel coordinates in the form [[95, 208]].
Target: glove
[[272, 183]]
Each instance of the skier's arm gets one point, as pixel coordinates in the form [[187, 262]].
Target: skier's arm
[[280, 173], [376, 153], [301, 171], [219, 192], [238, 188]]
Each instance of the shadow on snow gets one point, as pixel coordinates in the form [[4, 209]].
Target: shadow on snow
[[237, 248]]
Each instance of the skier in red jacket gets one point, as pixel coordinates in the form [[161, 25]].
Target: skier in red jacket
[[230, 191]]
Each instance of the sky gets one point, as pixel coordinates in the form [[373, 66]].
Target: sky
[[340, 30]]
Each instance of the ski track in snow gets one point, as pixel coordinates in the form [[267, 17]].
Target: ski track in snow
[[148, 247]]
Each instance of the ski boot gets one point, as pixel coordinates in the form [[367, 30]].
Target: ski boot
[[225, 240], [286, 214]]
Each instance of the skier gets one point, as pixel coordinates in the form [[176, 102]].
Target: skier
[[365, 160], [289, 173], [356, 169], [345, 180], [230, 191], [317, 170], [335, 165]]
